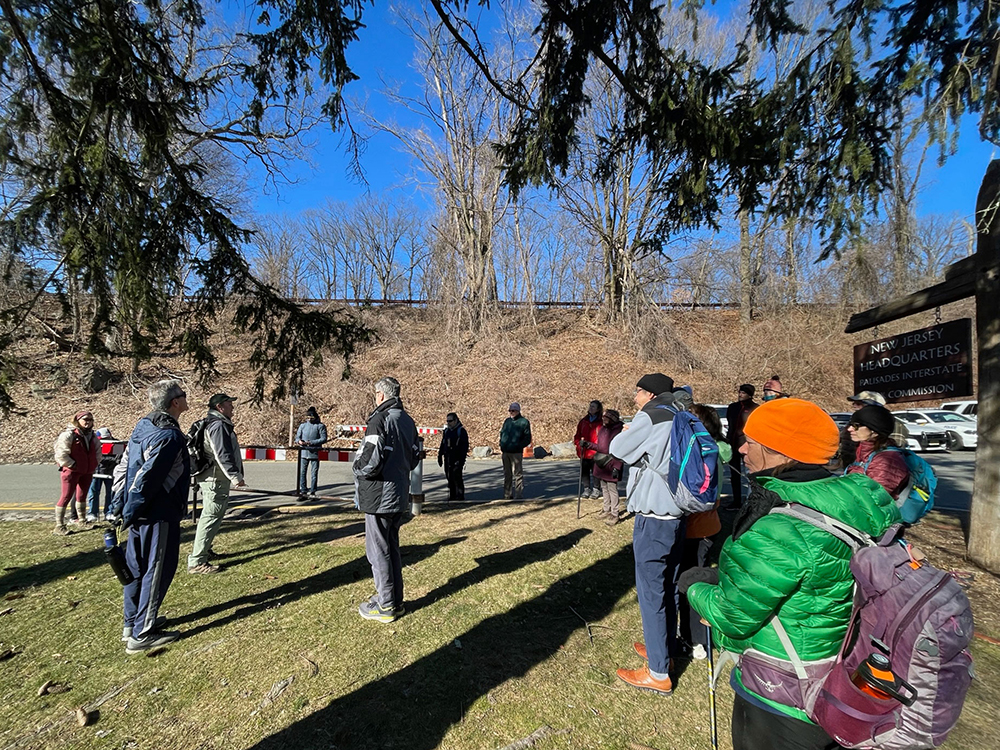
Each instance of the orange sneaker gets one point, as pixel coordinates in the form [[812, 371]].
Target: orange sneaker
[[642, 679]]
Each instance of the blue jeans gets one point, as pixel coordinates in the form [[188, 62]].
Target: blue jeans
[[657, 545], [313, 465], [94, 496]]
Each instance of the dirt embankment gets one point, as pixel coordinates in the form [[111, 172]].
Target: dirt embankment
[[553, 368]]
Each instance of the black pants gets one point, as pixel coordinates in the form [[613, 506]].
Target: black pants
[[735, 466], [694, 555], [587, 473], [456, 482], [757, 729]]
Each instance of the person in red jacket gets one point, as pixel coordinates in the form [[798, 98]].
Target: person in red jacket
[[586, 431], [611, 472], [76, 451], [870, 428]]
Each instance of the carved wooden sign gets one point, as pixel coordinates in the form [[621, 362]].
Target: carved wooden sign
[[931, 363]]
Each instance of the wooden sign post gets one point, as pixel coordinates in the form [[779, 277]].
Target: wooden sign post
[[978, 275]]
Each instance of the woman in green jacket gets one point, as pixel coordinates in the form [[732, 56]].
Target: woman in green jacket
[[776, 566]]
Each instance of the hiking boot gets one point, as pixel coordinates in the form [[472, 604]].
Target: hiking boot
[[151, 640], [158, 624], [642, 679], [204, 568], [612, 519], [61, 530], [372, 611]]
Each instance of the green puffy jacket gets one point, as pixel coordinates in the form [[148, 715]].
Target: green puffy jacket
[[515, 435], [786, 566]]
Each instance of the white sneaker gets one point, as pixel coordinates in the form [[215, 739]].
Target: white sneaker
[[698, 652], [91, 518]]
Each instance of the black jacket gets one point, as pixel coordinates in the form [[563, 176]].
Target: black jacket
[[454, 445], [389, 451]]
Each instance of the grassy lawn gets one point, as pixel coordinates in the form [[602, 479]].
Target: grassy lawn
[[274, 655]]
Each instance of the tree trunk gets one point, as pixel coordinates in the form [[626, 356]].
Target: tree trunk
[[984, 521], [746, 269]]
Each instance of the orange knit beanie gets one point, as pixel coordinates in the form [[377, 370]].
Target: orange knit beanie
[[795, 428]]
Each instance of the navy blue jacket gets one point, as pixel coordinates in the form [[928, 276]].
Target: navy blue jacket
[[153, 478]]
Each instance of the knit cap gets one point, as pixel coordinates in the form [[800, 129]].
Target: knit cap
[[875, 418], [656, 383], [795, 428], [748, 389], [773, 384]]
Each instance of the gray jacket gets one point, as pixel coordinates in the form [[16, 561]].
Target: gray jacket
[[223, 447], [313, 434], [645, 446], [388, 453]]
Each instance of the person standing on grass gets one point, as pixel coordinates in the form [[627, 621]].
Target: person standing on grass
[[871, 430], [658, 535], [773, 389], [102, 478], [224, 470], [76, 451], [586, 432], [452, 455], [779, 568], [150, 497], [515, 436], [608, 474], [736, 415], [310, 435], [389, 451]]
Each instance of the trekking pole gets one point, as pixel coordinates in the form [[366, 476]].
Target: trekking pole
[[711, 689], [579, 492]]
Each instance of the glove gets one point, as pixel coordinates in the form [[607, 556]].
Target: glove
[[697, 575]]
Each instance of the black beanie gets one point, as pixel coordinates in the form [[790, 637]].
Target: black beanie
[[748, 389], [875, 418], [311, 412], [656, 383]]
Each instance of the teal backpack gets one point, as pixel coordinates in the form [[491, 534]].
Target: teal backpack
[[917, 498]]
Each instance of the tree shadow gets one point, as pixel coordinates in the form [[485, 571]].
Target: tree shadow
[[499, 564], [50, 570], [425, 698], [340, 575]]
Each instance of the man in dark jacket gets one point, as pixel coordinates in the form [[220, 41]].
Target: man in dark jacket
[[224, 470], [150, 496], [389, 452], [736, 416], [515, 436], [452, 454], [310, 435]]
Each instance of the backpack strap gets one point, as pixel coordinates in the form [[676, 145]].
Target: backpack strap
[[786, 642], [850, 536]]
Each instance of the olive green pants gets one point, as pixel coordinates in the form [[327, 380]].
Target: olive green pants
[[214, 502]]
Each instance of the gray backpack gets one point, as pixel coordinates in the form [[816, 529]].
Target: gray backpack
[[909, 611]]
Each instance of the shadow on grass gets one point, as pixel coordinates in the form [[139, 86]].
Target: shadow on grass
[[500, 563], [424, 699], [340, 575], [50, 570]]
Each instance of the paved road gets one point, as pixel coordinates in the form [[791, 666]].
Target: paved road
[[27, 488]]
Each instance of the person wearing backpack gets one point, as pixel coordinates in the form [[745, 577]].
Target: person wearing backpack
[[780, 569], [870, 429], [658, 534], [223, 470]]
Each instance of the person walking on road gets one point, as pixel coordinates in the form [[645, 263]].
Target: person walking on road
[[452, 455], [150, 497], [310, 435], [658, 534], [736, 415], [389, 451], [586, 432], [515, 436], [224, 470], [76, 451], [609, 474]]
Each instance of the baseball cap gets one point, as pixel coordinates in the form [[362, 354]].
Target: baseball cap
[[219, 398], [872, 398]]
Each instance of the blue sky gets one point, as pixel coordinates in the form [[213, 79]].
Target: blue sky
[[384, 48]]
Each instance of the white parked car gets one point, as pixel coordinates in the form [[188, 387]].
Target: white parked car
[[968, 408], [961, 430], [720, 409]]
